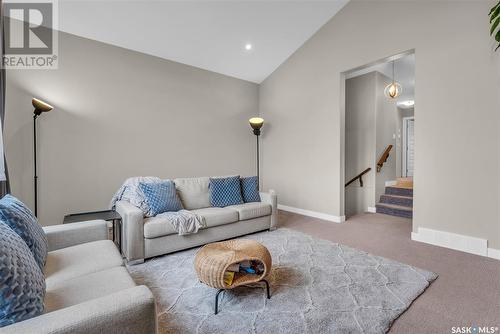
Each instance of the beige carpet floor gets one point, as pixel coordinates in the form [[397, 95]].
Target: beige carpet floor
[[466, 293]]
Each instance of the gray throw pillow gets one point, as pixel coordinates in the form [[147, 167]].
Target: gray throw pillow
[[21, 220], [22, 284]]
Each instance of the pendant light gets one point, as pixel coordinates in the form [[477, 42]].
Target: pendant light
[[394, 89]]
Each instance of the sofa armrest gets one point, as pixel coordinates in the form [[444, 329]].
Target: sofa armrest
[[128, 311], [272, 199], [62, 236], [132, 231]]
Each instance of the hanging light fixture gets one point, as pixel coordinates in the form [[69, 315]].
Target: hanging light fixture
[[394, 89]]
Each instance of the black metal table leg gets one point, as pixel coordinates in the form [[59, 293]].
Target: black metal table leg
[[118, 223], [114, 233], [217, 301], [216, 309], [267, 288]]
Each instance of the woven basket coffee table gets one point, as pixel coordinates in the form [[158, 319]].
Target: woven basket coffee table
[[212, 261]]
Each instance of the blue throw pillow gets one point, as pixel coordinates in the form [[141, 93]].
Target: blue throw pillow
[[19, 218], [250, 189], [22, 285], [225, 191], [161, 197]]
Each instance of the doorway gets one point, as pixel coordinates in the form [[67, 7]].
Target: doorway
[[408, 147], [378, 137]]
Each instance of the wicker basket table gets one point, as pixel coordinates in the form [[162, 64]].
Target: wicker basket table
[[212, 260]]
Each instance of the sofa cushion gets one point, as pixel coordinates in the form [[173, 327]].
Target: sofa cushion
[[250, 189], [80, 289], [21, 220], [161, 197], [70, 262], [217, 216], [22, 286], [252, 210], [155, 227], [225, 191], [193, 192]]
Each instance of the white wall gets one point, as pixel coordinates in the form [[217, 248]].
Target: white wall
[[457, 140], [370, 126], [386, 129], [360, 142], [117, 114]]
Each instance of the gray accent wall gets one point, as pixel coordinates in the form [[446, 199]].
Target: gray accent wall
[[457, 137], [117, 114]]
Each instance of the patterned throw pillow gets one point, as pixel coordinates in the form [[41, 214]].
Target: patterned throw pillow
[[130, 192], [225, 191], [19, 218], [22, 285], [250, 189], [161, 197]]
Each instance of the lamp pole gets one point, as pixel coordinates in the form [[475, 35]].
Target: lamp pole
[[256, 132], [35, 175], [40, 107], [258, 164], [256, 123]]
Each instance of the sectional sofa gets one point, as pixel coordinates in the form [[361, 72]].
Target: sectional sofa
[[144, 238], [88, 289]]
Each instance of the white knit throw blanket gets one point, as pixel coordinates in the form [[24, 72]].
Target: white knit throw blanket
[[183, 221]]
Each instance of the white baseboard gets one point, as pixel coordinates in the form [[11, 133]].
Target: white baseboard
[[454, 241], [371, 209], [390, 183], [320, 215], [494, 253]]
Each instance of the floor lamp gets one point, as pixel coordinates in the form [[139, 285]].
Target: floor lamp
[[256, 123], [40, 107]]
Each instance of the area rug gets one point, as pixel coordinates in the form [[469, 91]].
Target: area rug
[[317, 287]]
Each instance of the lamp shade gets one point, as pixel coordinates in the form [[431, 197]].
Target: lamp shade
[[256, 122], [394, 89], [40, 106]]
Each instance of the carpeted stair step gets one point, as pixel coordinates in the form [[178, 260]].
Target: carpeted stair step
[[397, 200], [398, 191], [404, 182], [394, 210]]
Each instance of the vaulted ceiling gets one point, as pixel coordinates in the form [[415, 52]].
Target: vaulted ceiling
[[212, 35]]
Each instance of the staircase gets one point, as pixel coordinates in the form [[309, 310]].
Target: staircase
[[397, 200]]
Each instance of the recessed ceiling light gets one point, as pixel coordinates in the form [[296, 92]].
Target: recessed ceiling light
[[248, 46]]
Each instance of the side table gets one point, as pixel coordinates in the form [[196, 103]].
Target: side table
[[107, 215]]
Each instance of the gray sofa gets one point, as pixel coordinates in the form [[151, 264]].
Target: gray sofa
[[89, 291], [143, 238]]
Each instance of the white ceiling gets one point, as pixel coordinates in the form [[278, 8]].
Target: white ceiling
[[207, 34], [404, 70]]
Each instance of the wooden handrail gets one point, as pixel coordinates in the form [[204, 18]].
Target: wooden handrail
[[383, 158], [359, 176]]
